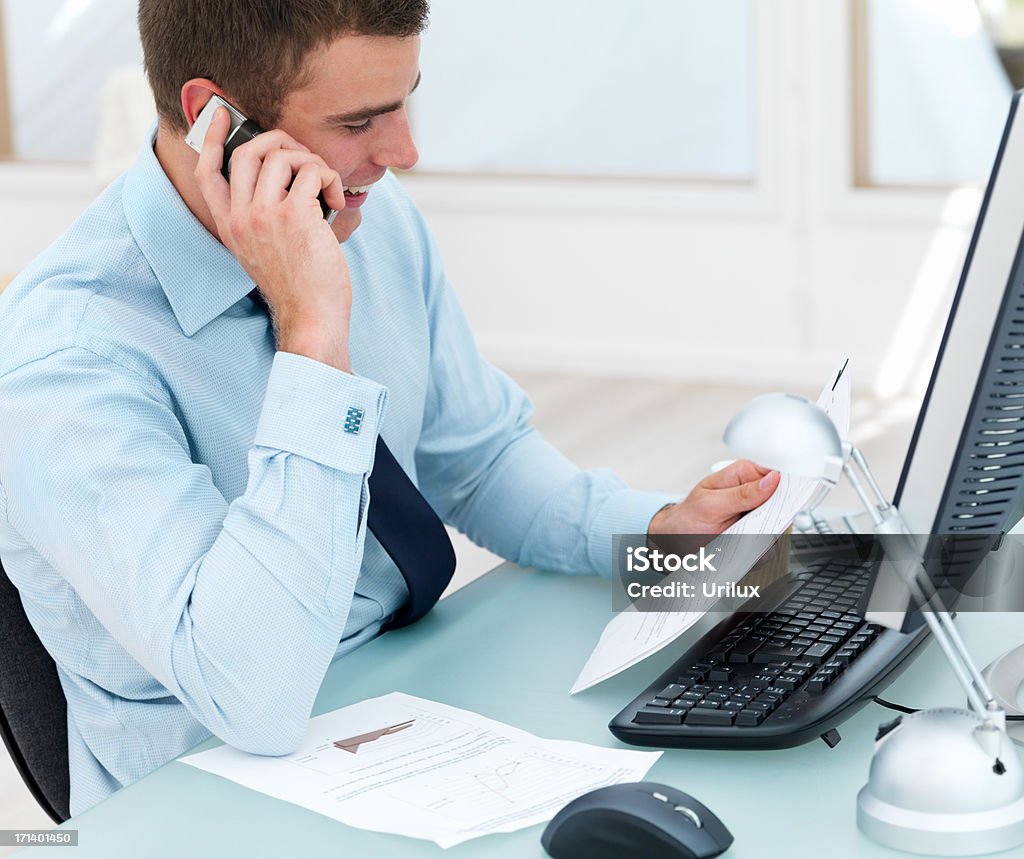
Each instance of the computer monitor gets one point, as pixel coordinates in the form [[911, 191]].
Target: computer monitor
[[972, 417], [963, 477]]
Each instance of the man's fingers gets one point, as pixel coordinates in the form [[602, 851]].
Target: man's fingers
[[756, 492], [727, 504], [279, 169], [208, 176], [248, 159], [334, 192], [740, 472]]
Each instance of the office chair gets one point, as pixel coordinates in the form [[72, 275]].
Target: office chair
[[33, 710]]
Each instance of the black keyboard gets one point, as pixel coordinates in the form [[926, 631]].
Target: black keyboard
[[775, 679]]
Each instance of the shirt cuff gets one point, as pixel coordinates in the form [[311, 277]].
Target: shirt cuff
[[321, 413], [625, 512]]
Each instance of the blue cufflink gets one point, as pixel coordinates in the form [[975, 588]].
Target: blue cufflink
[[354, 421]]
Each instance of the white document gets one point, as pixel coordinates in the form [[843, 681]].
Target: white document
[[631, 636], [414, 767]]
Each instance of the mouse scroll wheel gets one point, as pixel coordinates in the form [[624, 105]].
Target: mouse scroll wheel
[[690, 814]]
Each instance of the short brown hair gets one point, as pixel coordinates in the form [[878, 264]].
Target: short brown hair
[[254, 49]]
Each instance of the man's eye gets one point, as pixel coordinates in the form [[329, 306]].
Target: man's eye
[[361, 127]]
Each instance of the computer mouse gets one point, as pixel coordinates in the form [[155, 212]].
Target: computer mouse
[[641, 819]]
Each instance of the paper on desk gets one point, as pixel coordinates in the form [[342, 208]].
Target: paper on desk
[[631, 636], [414, 767]]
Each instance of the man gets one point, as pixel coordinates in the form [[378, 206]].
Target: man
[[184, 485]]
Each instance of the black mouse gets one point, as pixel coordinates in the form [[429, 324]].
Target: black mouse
[[641, 819]]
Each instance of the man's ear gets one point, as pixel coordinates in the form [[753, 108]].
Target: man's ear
[[194, 96]]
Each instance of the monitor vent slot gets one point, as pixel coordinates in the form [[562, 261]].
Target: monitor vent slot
[[984, 492]]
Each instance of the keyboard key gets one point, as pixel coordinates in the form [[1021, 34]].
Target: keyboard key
[[750, 718], [692, 696], [816, 629], [817, 652], [672, 691], [659, 702], [761, 681], [833, 615], [744, 651], [659, 717], [817, 684], [768, 654], [716, 696], [788, 682], [830, 639], [802, 665], [845, 656], [722, 675], [734, 705], [700, 716]]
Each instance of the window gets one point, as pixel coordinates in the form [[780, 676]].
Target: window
[[930, 95], [588, 87]]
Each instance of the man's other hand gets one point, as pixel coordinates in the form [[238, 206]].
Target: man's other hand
[[718, 501]]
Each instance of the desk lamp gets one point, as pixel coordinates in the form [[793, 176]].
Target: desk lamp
[[945, 781]]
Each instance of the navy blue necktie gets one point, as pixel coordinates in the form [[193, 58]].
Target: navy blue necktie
[[407, 528]]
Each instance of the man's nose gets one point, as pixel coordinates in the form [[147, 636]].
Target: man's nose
[[396, 147]]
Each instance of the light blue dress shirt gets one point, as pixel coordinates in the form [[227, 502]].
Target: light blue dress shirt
[[181, 507]]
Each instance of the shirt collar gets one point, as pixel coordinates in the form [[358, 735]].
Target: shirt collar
[[200, 276]]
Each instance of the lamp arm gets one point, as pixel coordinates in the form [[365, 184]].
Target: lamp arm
[[889, 525], [944, 632]]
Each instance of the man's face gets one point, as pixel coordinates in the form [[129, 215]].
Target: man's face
[[351, 112]]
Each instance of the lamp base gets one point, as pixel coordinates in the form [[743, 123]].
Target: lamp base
[[970, 834], [942, 784]]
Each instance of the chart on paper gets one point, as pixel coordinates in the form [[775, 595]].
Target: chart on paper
[[415, 767]]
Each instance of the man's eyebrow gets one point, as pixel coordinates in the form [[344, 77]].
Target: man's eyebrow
[[368, 112]]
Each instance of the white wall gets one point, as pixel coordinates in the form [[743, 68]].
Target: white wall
[[767, 282]]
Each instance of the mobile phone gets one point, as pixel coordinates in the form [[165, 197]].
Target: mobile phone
[[242, 130]]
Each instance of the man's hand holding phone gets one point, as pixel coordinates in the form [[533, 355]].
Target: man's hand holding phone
[[269, 217]]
